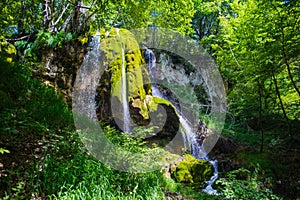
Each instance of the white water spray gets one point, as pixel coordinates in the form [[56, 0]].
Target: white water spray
[[188, 133]]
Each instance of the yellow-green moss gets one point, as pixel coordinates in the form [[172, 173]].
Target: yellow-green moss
[[191, 170], [155, 101], [116, 78], [114, 44], [135, 75]]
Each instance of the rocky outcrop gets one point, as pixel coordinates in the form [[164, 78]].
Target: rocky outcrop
[[173, 70], [121, 50], [60, 66]]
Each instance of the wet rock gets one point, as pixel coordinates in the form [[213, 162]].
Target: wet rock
[[226, 145]]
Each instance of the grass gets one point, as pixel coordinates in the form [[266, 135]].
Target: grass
[[43, 157]]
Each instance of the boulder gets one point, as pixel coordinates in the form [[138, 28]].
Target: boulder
[[191, 170]]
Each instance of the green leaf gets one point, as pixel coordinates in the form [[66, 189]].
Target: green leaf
[[2, 151]]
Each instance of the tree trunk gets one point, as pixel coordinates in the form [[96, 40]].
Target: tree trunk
[[291, 76], [47, 5], [260, 116], [281, 105], [286, 62], [76, 16]]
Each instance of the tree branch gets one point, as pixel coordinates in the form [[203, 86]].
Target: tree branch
[[64, 25], [59, 18], [18, 39]]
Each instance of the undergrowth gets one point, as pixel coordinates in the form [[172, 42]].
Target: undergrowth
[[43, 157], [49, 159]]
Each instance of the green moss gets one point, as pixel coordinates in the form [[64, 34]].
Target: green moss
[[138, 80], [135, 75], [191, 170], [116, 78], [114, 44], [182, 174], [155, 101]]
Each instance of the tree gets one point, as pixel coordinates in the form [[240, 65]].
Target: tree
[[76, 16], [259, 41], [206, 21]]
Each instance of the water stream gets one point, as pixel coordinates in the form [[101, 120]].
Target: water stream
[[188, 133], [125, 106]]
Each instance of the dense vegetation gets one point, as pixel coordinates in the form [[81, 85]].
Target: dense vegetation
[[255, 44]]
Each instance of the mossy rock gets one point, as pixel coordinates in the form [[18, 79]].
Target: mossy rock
[[192, 170], [122, 50], [155, 101]]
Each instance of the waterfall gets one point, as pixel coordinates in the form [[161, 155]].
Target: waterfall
[[188, 133], [125, 106], [86, 80], [151, 62]]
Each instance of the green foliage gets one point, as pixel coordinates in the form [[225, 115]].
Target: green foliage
[[48, 39], [64, 169], [132, 14], [3, 151], [255, 50], [33, 21], [244, 184], [31, 100], [142, 132], [7, 50], [19, 18], [126, 142], [29, 50], [171, 185], [68, 171]]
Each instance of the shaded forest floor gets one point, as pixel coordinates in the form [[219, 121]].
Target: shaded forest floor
[[279, 160]]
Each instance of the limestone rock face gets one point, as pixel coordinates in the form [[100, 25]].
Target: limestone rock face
[[121, 50], [191, 170]]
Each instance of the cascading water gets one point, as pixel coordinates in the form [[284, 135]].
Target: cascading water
[[151, 62], [189, 135], [209, 189], [126, 114], [84, 88]]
